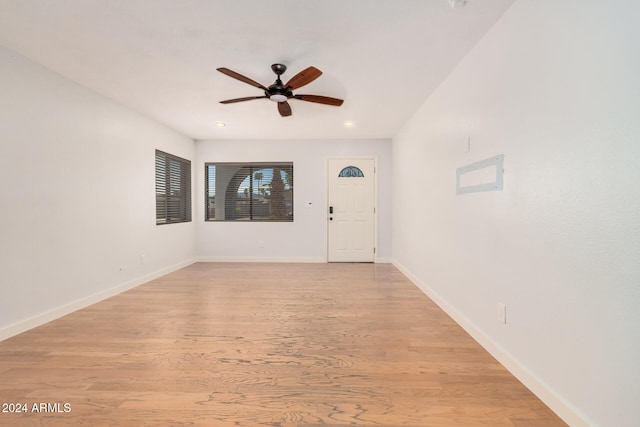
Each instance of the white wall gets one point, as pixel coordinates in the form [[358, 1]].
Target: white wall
[[77, 200], [305, 238], [554, 87]]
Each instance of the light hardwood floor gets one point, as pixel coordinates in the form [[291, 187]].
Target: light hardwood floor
[[281, 345]]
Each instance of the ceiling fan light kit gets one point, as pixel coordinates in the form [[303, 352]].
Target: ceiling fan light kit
[[277, 97], [281, 93]]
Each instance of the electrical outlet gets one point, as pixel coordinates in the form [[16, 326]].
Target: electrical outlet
[[143, 259], [261, 243], [502, 313]]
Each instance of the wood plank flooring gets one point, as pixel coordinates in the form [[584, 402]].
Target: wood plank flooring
[[280, 345]]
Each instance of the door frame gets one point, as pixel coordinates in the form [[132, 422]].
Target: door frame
[[375, 202]]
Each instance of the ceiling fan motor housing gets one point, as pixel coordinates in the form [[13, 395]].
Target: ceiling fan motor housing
[[277, 92]]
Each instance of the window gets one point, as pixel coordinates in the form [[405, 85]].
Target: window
[[351, 172], [249, 191], [173, 189]]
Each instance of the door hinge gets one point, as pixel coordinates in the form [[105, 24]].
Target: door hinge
[[374, 250]]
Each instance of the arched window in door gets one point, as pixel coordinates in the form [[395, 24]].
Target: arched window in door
[[351, 172]]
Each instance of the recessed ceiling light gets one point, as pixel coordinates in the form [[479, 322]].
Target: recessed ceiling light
[[220, 124], [456, 4], [348, 124]]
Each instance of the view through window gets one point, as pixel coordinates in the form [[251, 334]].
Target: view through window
[[249, 191]]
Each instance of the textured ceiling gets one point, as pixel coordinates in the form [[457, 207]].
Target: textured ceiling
[[159, 57]]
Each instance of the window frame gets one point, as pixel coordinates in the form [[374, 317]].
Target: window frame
[[175, 208], [253, 167]]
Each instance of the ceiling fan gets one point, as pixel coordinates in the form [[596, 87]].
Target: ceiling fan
[[281, 93]]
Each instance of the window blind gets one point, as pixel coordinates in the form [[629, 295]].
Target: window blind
[[173, 189]]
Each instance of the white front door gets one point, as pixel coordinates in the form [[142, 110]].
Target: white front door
[[351, 210]]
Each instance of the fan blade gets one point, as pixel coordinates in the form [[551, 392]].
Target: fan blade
[[248, 98], [304, 77], [320, 99], [284, 108], [240, 77]]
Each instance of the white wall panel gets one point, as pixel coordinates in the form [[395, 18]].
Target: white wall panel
[[554, 87], [77, 200], [305, 239]]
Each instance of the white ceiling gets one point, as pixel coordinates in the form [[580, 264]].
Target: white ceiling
[[159, 57]]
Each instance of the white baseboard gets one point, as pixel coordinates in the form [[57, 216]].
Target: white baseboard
[[381, 260], [555, 402], [42, 318], [262, 259]]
